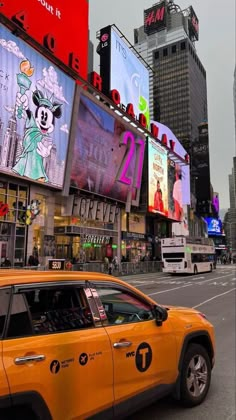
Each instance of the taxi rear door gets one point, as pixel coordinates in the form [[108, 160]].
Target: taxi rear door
[[4, 388], [54, 350]]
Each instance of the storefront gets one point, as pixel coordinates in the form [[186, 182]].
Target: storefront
[[134, 242], [13, 232], [86, 230]]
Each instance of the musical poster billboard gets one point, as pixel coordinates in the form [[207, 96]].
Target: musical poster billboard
[[35, 113], [108, 155], [157, 178]]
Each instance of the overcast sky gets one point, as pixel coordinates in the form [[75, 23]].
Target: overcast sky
[[216, 50]]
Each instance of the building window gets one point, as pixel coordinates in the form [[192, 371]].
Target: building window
[[165, 52], [183, 46], [156, 55], [173, 49]]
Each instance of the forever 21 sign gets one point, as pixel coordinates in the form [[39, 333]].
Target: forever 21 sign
[[33, 16]]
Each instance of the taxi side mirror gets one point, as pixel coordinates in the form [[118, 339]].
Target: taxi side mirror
[[161, 314]]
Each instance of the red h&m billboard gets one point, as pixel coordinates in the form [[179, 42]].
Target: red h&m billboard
[[60, 26], [108, 155], [193, 25], [155, 18]]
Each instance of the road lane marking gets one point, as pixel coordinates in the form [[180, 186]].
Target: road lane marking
[[169, 290], [214, 297]]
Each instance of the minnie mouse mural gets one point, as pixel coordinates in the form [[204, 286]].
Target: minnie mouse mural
[[37, 143]]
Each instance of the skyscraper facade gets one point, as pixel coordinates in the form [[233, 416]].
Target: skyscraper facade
[[178, 88]]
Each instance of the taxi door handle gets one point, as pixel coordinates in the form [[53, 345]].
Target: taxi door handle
[[28, 359], [122, 344]]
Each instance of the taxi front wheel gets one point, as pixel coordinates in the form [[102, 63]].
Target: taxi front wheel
[[195, 376]]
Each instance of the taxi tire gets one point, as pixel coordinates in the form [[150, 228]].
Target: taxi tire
[[19, 413], [186, 397]]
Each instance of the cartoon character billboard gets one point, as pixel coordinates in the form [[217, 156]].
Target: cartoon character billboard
[[35, 113]]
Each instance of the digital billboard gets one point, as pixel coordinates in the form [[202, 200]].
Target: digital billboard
[[178, 175], [108, 155], [193, 25], [214, 226], [129, 76], [155, 18], [157, 178], [35, 113], [215, 202], [45, 21]]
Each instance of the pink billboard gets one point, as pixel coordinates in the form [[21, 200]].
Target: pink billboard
[[108, 155]]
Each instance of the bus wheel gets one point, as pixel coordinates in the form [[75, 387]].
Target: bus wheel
[[195, 269]]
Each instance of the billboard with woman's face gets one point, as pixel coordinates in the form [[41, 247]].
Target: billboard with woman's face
[[108, 155], [157, 178]]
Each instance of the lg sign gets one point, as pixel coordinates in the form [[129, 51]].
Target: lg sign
[[45, 22]]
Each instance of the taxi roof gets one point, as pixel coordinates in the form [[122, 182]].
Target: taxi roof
[[14, 276]]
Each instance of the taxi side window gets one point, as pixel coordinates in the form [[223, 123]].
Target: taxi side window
[[19, 323], [46, 311], [4, 303], [122, 307], [57, 309]]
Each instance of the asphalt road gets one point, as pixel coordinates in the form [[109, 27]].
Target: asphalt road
[[215, 295]]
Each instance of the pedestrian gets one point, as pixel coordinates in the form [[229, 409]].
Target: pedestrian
[[6, 263]]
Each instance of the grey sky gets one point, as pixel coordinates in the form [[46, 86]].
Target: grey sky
[[216, 50]]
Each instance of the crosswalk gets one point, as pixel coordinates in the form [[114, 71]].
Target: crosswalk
[[222, 277]]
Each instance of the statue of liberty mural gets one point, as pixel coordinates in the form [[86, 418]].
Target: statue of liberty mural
[[37, 143]]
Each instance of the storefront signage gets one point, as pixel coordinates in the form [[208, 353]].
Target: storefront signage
[[95, 239], [89, 209], [4, 209], [44, 21], [56, 265], [36, 108], [133, 236]]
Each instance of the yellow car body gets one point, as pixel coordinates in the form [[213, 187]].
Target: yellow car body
[[78, 345]]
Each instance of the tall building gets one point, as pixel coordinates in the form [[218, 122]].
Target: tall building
[[178, 92], [178, 88], [234, 99], [230, 217]]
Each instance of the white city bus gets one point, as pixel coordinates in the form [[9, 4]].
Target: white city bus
[[187, 255]]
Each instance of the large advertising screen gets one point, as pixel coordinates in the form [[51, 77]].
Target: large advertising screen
[[178, 189], [178, 176], [108, 156], [214, 226], [216, 202], [129, 76], [35, 113], [157, 178], [46, 21]]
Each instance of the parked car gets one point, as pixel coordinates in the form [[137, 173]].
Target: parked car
[[76, 345]]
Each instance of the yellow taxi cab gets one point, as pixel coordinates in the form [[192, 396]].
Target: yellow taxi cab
[[80, 345]]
